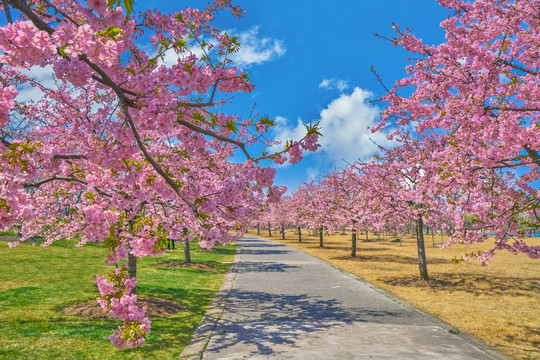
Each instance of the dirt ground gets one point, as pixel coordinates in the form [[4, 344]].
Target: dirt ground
[[155, 308], [499, 305]]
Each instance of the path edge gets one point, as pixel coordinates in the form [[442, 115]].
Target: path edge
[[194, 350]]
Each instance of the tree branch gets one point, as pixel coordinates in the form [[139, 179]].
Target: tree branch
[[198, 129], [52, 178], [152, 162], [7, 11], [511, 109], [517, 67], [532, 154], [69, 157]]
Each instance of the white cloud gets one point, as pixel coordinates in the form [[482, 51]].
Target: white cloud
[[42, 75], [344, 125], [256, 50], [333, 83]]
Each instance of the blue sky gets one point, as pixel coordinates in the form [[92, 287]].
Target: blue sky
[[319, 55], [310, 61]]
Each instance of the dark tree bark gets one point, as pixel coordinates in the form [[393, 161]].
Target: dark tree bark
[[422, 262], [258, 228], [299, 234], [321, 244], [353, 250], [269, 230], [283, 232], [367, 235], [187, 250], [132, 267]]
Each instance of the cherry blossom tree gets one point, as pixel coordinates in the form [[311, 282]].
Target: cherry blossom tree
[[473, 103], [127, 150]]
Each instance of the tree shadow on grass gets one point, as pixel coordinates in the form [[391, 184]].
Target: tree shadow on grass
[[360, 257], [475, 284], [527, 334]]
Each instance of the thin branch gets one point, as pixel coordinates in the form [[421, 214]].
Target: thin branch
[[101, 81], [152, 162], [214, 135], [511, 109], [22, 6], [69, 157], [60, 12], [53, 178], [517, 67]]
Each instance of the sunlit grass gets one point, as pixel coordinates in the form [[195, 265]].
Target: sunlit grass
[[499, 305], [37, 283]]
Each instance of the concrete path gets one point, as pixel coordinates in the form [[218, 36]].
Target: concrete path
[[281, 303]]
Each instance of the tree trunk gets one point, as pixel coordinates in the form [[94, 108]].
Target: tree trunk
[[132, 267], [269, 230], [321, 244], [282, 232], [187, 250], [132, 259], [422, 262], [299, 234], [258, 228], [353, 250], [367, 235]]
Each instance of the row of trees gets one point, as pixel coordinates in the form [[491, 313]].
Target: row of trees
[[466, 121], [125, 149], [129, 151]]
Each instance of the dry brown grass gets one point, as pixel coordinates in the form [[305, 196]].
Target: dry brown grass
[[499, 305]]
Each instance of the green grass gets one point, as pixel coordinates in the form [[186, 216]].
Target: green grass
[[37, 283]]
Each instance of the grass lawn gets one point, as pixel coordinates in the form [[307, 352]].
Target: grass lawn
[[499, 305], [37, 283]]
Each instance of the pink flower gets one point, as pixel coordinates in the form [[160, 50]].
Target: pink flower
[[98, 5]]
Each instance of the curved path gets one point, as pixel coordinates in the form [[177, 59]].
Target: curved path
[[281, 303]]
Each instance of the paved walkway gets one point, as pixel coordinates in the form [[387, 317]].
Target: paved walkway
[[281, 303]]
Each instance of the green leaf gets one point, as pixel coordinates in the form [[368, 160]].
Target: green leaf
[[231, 125], [62, 50], [111, 32], [199, 200], [4, 205], [128, 4], [198, 116]]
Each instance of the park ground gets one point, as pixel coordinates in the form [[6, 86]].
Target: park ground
[[48, 307], [499, 305]]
